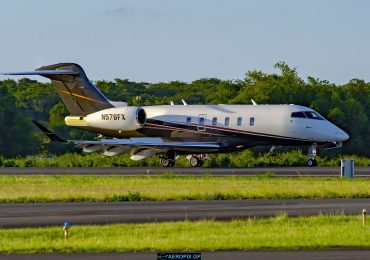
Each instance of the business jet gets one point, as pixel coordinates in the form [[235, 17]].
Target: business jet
[[194, 131]]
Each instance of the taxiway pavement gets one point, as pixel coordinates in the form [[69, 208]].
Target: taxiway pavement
[[83, 213]]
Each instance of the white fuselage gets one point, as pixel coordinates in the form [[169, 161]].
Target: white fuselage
[[235, 127], [268, 120]]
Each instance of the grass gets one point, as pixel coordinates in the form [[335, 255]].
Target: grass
[[170, 187], [280, 232]]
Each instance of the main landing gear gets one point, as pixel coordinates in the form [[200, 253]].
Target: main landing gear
[[168, 160], [312, 152], [197, 160]]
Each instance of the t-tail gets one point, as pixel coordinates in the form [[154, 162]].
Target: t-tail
[[78, 93]]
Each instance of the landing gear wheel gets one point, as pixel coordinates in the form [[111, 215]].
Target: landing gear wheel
[[197, 160], [194, 161], [165, 162], [312, 162]]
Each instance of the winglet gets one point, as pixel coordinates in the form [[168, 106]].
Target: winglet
[[53, 137]]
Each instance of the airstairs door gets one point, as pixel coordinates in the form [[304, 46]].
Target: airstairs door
[[202, 122]]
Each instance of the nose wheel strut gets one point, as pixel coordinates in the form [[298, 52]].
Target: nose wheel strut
[[312, 152]]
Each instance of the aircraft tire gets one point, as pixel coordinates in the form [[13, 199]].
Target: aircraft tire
[[167, 162], [311, 163], [194, 161]]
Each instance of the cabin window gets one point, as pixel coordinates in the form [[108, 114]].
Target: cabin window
[[251, 121], [239, 121], [227, 121], [214, 121], [188, 121], [298, 115]]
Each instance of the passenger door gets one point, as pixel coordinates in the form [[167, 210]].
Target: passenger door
[[202, 122]]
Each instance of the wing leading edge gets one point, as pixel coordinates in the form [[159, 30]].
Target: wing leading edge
[[147, 143]]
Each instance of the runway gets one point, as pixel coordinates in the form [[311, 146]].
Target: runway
[[83, 213], [138, 171]]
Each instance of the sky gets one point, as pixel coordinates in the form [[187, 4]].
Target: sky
[[167, 40]]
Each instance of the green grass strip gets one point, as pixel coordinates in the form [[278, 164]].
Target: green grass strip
[[279, 232], [169, 187]]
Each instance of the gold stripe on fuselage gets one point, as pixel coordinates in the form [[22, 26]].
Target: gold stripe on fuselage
[[80, 96]]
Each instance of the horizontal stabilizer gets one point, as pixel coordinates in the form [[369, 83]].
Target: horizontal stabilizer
[[43, 72], [80, 96], [53, 137]]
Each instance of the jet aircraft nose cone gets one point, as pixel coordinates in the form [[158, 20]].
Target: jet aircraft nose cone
[[342, 136]]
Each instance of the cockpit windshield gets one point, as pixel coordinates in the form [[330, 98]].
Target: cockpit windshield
[[307, 114], [313, 115], [298, 115]]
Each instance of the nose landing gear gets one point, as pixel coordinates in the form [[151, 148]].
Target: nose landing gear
[[312, 152]]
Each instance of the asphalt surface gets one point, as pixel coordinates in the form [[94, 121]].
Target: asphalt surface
[[83, 213], [337, 254], [137, 171]]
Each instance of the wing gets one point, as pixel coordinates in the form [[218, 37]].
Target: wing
[[140, 148]]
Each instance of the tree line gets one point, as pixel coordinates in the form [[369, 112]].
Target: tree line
[[347, 105]]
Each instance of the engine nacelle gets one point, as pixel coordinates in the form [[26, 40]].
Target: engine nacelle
[[118, 118]]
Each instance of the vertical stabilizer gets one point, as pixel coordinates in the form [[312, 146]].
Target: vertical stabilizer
[[78, 93]]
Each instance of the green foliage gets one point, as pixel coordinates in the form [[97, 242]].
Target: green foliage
[[16, 133]]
